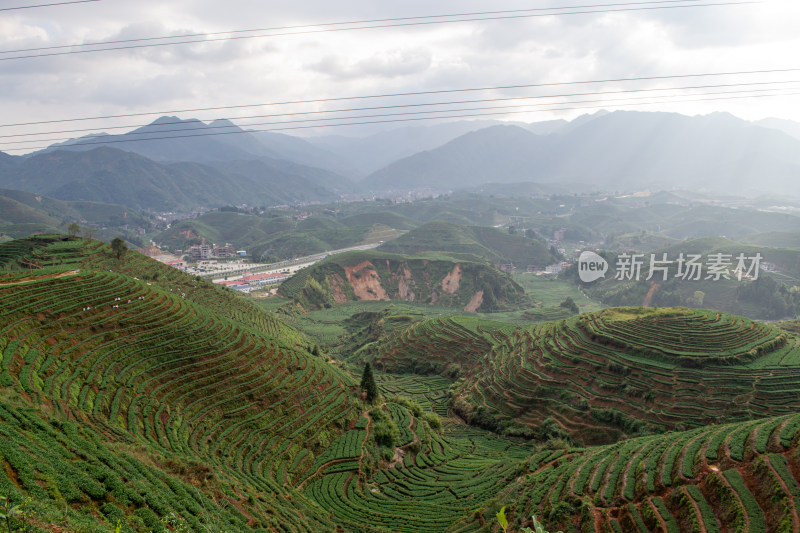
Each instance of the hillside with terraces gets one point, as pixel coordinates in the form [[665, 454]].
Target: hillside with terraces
[[733, 477], [132, 392], [603, 376], [185, 379], [134, 397]]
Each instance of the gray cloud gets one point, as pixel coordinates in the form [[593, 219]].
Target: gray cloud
[[388, 64], [319, 65]]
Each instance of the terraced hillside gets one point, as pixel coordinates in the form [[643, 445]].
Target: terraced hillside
[[434, 480], [131, 392], [173, 371], [734, 477], [467, 283], [136, 398], [619, 372]]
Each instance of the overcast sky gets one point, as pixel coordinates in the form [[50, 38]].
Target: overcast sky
[[699, 39]]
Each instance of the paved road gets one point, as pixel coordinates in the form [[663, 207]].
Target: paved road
[[291, 265]]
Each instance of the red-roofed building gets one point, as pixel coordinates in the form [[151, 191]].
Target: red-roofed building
[[259, 280]]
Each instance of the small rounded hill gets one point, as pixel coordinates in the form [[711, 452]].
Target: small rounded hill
[[688, 337], [602, 376]]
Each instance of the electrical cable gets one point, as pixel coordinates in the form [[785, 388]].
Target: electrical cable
[[393, 120], [380, 26], [416, 93], [397, 106], [371, 21], [47, 5]]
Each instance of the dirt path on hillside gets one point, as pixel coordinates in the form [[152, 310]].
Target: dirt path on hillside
[[649, 296], [660, 519], [701, 525], [738, 499], [400, 451], [785, 487], [39, 278]]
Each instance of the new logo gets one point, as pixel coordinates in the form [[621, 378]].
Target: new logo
[[591, 266]]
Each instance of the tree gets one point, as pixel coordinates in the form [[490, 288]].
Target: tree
[[570, 304], [119, 247], [74, 229], [368, 384]]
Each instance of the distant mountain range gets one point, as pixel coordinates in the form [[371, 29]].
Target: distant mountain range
[[178, 164], [622, 150], [171, 139], [111, 175], [371, 153]]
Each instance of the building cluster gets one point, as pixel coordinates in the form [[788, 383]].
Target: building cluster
[[549, 270], [253, 282], [207, 251]]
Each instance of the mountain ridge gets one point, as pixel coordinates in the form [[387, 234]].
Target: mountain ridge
[[115, 176], [619, 150]]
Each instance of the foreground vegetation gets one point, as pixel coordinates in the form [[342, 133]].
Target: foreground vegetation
[[136, 398]]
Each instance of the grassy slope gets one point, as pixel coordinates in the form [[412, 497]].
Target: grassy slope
[[777, 239], [202, 406], [23, 213], [735, 477]]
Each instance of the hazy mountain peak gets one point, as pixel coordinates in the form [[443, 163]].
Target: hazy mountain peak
[[620, 149], [789, 127], [173, 119], [223, 123]]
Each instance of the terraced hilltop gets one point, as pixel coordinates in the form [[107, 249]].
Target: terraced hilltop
[[136, 398], [619, 372]]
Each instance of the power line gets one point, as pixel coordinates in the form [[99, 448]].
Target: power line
[[493, 114], [378, 26], [326, 24], [415, 93], [396, 106], [604, 104], [327, 119], [48, 5]]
